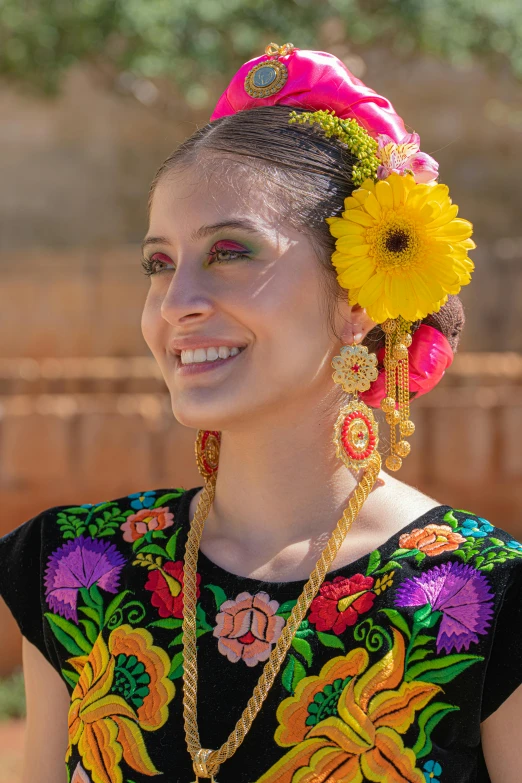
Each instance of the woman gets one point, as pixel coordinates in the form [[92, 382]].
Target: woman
[[399, 659]]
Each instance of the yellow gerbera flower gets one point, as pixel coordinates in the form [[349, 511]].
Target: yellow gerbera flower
[[400, 248]]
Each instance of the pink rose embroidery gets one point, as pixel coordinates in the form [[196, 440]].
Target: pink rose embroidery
[[137, 525], [248, 627]]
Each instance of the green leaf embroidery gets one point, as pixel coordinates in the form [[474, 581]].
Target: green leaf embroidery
[[201, 619], [88, 611], [91, 630], [403, 553], [422, 639], [397, 620], [153, 549], [373, 562], [497, 541], [218, 593], [427, 720], [167, 622], [68, 634], [286, 608], [387, 567], [172, 544], [176, 666], [418, 655], [177, 640], [114, 604], [70, 677], [292, 673], [330, 640], [164, 499], [451, 519], [303, 648], [441, 670], [96, 595]]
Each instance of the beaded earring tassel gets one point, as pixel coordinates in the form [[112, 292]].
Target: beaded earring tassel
[[396, 404]]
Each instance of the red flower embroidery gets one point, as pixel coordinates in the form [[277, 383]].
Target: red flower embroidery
[[166, 585], [340, 602]]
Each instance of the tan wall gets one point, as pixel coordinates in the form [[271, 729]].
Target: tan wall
[[85, 430]]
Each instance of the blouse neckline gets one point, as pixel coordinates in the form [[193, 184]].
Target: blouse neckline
[[434, 514]]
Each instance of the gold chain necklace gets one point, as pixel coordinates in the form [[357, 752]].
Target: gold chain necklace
[[206, 762]]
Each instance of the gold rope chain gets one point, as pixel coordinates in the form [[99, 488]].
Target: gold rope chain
[[207, 762]]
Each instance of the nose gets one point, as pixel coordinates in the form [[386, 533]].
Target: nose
[[186, 298]]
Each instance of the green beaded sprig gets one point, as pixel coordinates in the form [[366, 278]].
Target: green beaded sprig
[[358, 141]]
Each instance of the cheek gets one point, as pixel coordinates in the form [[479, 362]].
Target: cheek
[[151, 322]]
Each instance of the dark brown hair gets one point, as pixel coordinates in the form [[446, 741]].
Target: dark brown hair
[[305, 177]]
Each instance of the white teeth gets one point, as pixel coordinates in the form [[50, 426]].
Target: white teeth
[[211, 354]]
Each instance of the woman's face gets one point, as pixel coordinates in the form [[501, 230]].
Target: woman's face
[[226, 274]]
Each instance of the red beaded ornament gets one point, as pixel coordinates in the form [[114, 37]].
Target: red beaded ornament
[[207, 452]]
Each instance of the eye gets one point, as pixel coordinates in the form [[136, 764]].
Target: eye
[[225, 251], [152, 265]]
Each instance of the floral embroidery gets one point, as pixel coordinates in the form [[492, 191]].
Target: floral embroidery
[[80, 775], [248, 627], [123, 688], [477, 528], [463, 596], [142, 499], [514, 544], [166, 584], [78, 564], [147, 519], [363, 740], [430, 769], [432, 539], [340, 602]]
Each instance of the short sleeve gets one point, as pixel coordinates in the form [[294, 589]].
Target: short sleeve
[[504, 669], [21, 580]]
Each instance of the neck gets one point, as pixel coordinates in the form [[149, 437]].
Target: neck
[[283, 484]]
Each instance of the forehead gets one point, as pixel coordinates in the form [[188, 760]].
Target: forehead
[[202, 194]]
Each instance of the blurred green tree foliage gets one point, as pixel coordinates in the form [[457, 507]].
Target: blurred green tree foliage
[[192, 41]]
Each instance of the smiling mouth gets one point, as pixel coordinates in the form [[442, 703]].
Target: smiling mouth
[[198, 367]]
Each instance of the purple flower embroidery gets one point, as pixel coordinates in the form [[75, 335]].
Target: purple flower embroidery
[[80, 563], [463, 596]]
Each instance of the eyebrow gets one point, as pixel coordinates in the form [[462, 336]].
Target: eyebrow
[[205, 231]]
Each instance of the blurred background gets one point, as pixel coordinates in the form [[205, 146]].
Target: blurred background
[[93, 96]]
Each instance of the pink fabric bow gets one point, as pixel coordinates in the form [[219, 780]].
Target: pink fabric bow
[[430, 355], [317, 80]]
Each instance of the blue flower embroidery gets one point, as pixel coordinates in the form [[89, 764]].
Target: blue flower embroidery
[[143, 499], [430, 769], [477, 528], [514, 544]]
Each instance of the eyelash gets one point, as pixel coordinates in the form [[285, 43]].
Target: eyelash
[[148, 263]]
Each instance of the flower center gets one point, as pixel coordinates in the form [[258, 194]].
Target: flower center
[[348, 600], [131, 681], [396, 242], [247, 638], [324, 704]]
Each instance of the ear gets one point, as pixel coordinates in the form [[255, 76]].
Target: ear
[[355, 323]]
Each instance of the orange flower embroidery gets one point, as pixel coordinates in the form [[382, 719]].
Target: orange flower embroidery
[[123, 688], [137, 525], [432, 539], [357, 737], [248, 627]]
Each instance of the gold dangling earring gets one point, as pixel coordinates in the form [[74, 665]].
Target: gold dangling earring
[[356, 433], [396, 404], [207, 447]]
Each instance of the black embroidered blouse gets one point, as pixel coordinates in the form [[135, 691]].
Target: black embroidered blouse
[[403, 652]]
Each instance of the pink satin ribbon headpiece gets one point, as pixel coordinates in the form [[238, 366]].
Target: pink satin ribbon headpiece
[[317, 80], [430, 355]]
